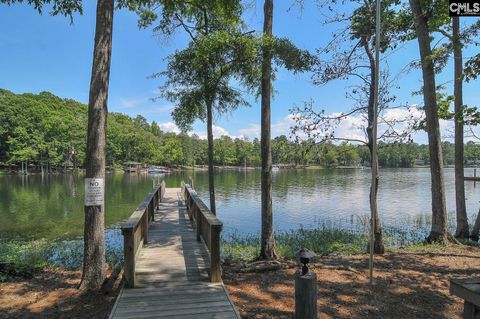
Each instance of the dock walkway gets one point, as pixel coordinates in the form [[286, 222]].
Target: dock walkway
[[172, 271]]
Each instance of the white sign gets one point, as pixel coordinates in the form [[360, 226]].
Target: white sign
[[94, 191]]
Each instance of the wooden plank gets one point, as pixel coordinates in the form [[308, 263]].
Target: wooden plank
[[164, 307], [217, 315], [171, 291], [468, 289], [150, 302], [469, 310], [144, 313]]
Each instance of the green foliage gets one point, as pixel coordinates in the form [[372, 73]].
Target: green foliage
[[41, 127], [220, 51], [435, 12], [30, 257], [363, 23], [398, 154], [63, 7], [45, 129], [27, 257], [472, 68]]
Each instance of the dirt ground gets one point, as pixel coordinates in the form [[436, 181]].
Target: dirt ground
[[53, 294], [408, 284]]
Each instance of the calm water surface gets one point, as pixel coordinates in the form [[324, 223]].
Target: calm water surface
[[52, 206]]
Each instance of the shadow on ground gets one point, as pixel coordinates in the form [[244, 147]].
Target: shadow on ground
[[53, 294], [408, 284]]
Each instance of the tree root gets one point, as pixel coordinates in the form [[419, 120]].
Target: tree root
[[263, 265], [273, 265], [336, 267], [109, 283]]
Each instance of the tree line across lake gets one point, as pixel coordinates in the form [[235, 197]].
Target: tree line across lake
[[44, 129]]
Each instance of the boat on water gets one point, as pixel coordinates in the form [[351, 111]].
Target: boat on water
[[158, 170]]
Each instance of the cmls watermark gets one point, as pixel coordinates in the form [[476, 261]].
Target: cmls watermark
[[462, 8]]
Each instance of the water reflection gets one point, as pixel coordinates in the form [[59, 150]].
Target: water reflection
[[51, 206]]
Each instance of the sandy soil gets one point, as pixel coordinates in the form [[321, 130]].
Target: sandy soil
[[53, 294], [408, 284]]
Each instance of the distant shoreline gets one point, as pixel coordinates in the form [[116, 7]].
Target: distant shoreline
[[218, 168]]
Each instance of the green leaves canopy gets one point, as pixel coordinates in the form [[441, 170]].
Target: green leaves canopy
[[204, 72]]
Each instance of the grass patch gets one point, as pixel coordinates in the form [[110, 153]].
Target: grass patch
[[322, 240], [29, 257], [423, 247]]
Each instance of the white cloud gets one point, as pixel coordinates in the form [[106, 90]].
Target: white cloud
[[217, 131], [353, 127], [252, 131], [350, 127], [169, 127], [283, 126]]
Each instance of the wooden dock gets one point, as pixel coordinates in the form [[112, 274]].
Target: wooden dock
[[170, 268]]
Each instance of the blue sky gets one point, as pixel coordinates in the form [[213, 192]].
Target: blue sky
[[45, 53]]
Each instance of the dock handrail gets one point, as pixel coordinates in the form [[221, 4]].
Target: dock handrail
[[208, 228], [135, 230]]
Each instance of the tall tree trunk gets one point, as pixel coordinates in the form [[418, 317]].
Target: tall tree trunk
[[462, 219], [267, 248], [439, 230], [211, 173], [94, 237], [476, 228], [378, 246]]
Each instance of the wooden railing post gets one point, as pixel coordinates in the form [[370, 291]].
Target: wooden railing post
[[215, 263], [151, 208], [145, 225], [155, 204], [129, 257], [198, 222], [191, 205], [162, 192], [186, 196]]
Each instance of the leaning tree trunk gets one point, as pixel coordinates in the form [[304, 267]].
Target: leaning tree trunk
[[267, 248], [439, 230], [462, 220], [378, 246], [94, 237], [211, 173]]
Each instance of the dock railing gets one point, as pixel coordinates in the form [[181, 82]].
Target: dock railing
[[135, 231], [208, 228]]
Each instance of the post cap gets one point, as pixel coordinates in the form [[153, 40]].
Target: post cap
[[305, 253]]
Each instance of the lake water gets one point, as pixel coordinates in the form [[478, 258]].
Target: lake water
[[34, 207]]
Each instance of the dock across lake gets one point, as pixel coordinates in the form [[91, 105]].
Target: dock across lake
[[172, 260]]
